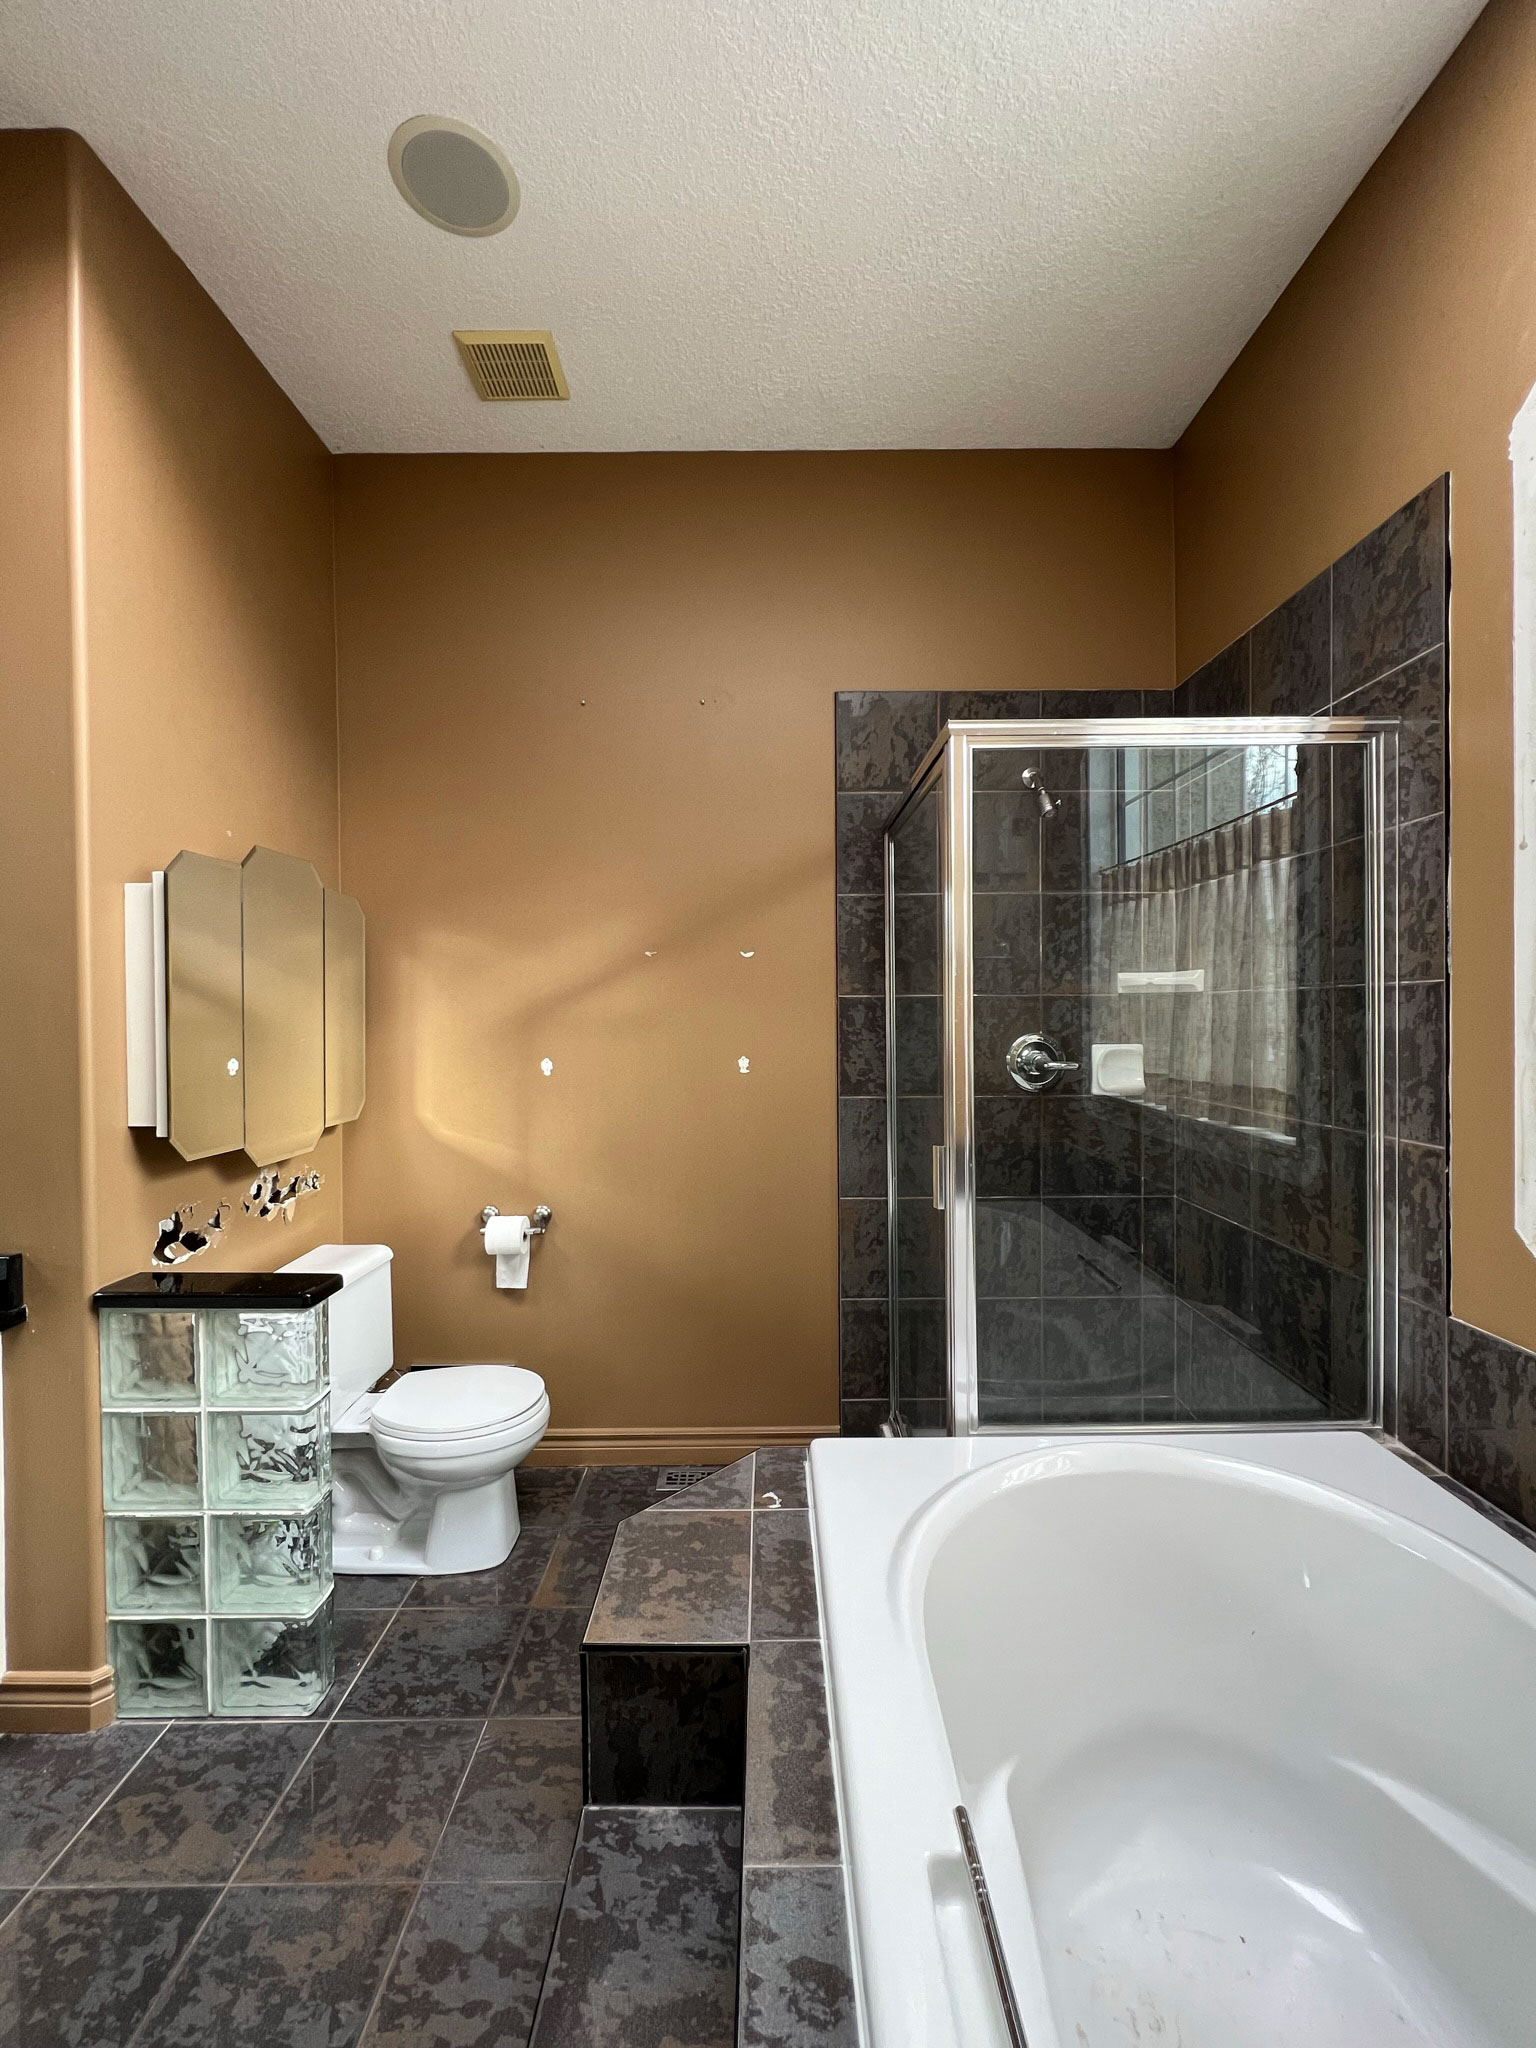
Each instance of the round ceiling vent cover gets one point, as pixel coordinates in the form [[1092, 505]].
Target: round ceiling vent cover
[[453, 175]]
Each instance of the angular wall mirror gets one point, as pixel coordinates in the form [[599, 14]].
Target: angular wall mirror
[[203, 1032], [283, 903]]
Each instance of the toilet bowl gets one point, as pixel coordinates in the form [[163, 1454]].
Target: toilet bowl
[[422, 1472]]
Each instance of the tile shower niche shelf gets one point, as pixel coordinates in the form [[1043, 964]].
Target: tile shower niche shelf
[[216, 1484]]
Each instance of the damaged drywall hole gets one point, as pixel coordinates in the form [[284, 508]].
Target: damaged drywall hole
[[744, 1065], [179, 1237], [274, 1194], [749, 952], [231, 1066], [546, 1067], [650, 952]]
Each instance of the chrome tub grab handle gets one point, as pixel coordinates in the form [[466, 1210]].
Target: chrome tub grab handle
[[995, 1956]]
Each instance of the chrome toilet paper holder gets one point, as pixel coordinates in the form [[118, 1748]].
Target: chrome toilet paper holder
[[538, 1222]]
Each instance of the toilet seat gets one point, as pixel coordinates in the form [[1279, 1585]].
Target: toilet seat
[[458, 1404]]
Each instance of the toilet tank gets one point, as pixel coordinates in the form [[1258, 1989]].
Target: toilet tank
[[362, 1338]]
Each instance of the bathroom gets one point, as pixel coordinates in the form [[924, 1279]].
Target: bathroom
[[887, 437]]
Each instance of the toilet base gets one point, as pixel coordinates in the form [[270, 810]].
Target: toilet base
[[382, 1528]]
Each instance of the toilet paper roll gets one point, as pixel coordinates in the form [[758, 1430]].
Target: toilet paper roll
[[508, 1240]]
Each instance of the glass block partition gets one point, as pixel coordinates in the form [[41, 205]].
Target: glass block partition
[[216, 1478]]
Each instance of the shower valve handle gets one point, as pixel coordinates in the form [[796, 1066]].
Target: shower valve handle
[[1035, 1063]]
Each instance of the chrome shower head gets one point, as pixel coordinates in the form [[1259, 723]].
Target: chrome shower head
[[1031, 780]]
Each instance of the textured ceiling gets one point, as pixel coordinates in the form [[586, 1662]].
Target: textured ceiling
[[750, 223]]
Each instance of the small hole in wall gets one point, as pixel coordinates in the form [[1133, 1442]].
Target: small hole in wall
[[546, 1066], [231, 1066], [650, 952], [749, 952], [744, 1065]]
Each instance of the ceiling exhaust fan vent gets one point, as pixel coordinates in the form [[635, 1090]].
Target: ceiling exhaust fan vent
[[504, 365]]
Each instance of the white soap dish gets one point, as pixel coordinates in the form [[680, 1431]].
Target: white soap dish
[[1119, 1070]]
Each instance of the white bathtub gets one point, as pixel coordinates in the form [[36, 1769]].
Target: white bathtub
[[1246, 1726]]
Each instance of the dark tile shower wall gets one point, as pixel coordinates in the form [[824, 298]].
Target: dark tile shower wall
[[1366, 637]]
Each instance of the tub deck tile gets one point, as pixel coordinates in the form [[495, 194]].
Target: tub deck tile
[[796, 1977], [791, 1811], [783, 1576], [780, 1480], [676, 1580]]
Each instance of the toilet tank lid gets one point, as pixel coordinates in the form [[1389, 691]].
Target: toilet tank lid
[[353, 1262]]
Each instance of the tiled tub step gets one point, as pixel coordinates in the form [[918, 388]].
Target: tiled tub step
[[703, 1687], [645, 1949]]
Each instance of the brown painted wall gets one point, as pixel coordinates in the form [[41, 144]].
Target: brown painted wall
[[210, 665], [168, 656], [1404, 348], [52, 1504], [519, 850]]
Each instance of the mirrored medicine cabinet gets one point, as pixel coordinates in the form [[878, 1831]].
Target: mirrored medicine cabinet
[[246, 1013]]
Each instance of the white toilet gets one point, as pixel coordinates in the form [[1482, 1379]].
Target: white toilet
[[421, 1475]]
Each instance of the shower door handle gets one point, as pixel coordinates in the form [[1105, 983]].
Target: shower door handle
[[940, 1178]]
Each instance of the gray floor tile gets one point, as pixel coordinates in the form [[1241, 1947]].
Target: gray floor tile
[[369, 1590], [357, 1635], [676, 1579], [545, 1674], [783, 1576], [780, 1479], [791, 1812], [282, 1967], [79, 1969], [368, 1807], [610, 1493], [796, 1982], [51, 1784], [191, 1808], [511, 1584], [546, 1491], [437, 1663], [730, 1487], [515, 1817], [576, 1566], [645, 1948], [469, 1967]]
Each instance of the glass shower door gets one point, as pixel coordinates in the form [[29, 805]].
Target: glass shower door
[[1172, 1119]]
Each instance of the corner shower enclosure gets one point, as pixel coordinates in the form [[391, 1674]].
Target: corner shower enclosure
[[1140, 1031]]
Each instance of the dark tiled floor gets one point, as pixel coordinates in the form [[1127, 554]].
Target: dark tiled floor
[[386, 1872]]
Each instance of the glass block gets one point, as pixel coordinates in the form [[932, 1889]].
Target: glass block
[[154, 1565], [150, 1461], [261, 1358], [161, 1666], [270, 1461], [273, 1665], [271, 1564], [148, 1358]]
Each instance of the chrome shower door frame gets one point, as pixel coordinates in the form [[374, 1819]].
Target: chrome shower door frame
[[948, 765]]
